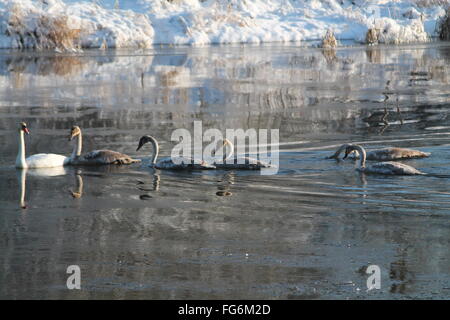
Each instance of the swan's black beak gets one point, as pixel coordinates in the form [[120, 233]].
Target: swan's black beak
[[73, 133], [224, 143], [141, 143]]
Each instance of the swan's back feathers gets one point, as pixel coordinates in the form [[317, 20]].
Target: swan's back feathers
[[243, 163], [392, 168], [385, 154], [46, 160], [98, 157], [182, 163], [395, 154]]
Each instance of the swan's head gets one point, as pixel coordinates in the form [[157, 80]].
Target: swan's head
[[75, 131], [23, 127], [339, 151], [225, 142], [144, 140], [349, 149]]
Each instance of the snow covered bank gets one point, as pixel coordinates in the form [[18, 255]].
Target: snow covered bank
[[65, 24]]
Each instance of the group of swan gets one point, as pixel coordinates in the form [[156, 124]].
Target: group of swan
[[183, 163], [104, 157], [385, 167], [48, 160]]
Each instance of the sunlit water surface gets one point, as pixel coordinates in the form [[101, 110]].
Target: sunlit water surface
[[309, 231]]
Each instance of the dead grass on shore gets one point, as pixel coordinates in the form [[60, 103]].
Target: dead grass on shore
[[40, 31], [443, 26]]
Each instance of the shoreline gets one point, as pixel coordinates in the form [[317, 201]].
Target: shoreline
[[72, 25]]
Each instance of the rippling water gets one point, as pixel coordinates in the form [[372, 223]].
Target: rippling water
[[308, 232]]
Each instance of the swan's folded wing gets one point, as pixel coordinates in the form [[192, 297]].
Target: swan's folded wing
[[395, 168], [388, 154], [182, 163], [408, 153], [108, 157], [244, 163], [46, 160]]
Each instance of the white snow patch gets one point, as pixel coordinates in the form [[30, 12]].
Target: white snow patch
[[143, 23]]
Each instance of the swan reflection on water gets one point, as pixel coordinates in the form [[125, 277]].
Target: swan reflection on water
[[156, 179], [38, 172], [224, 184], [78, 192], [46, 173]]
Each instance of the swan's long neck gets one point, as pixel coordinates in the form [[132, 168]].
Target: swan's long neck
[[362, 153], [339, 151], [20, 160], [76, 152], [155, 151], [228, 153], [229, 150]]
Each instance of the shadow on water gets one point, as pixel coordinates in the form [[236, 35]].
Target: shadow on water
[[310, 231]]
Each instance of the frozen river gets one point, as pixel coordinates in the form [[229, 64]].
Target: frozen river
[[310, 231]]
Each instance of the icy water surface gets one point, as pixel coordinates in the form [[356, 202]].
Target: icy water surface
[[308, 232]]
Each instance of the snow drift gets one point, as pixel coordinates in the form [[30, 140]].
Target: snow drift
[[72, 24]]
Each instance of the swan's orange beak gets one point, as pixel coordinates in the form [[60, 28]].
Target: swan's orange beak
[[26, 130]]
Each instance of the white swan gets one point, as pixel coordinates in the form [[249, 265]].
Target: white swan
[[179, 163], [237, 163], [40, 160], [96, 157], [385, 154], [390, 168]]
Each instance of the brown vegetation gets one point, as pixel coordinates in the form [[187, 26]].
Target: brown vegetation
[[443, 26], [431, 3], [40, 31], [372, 36], [329, 41]]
